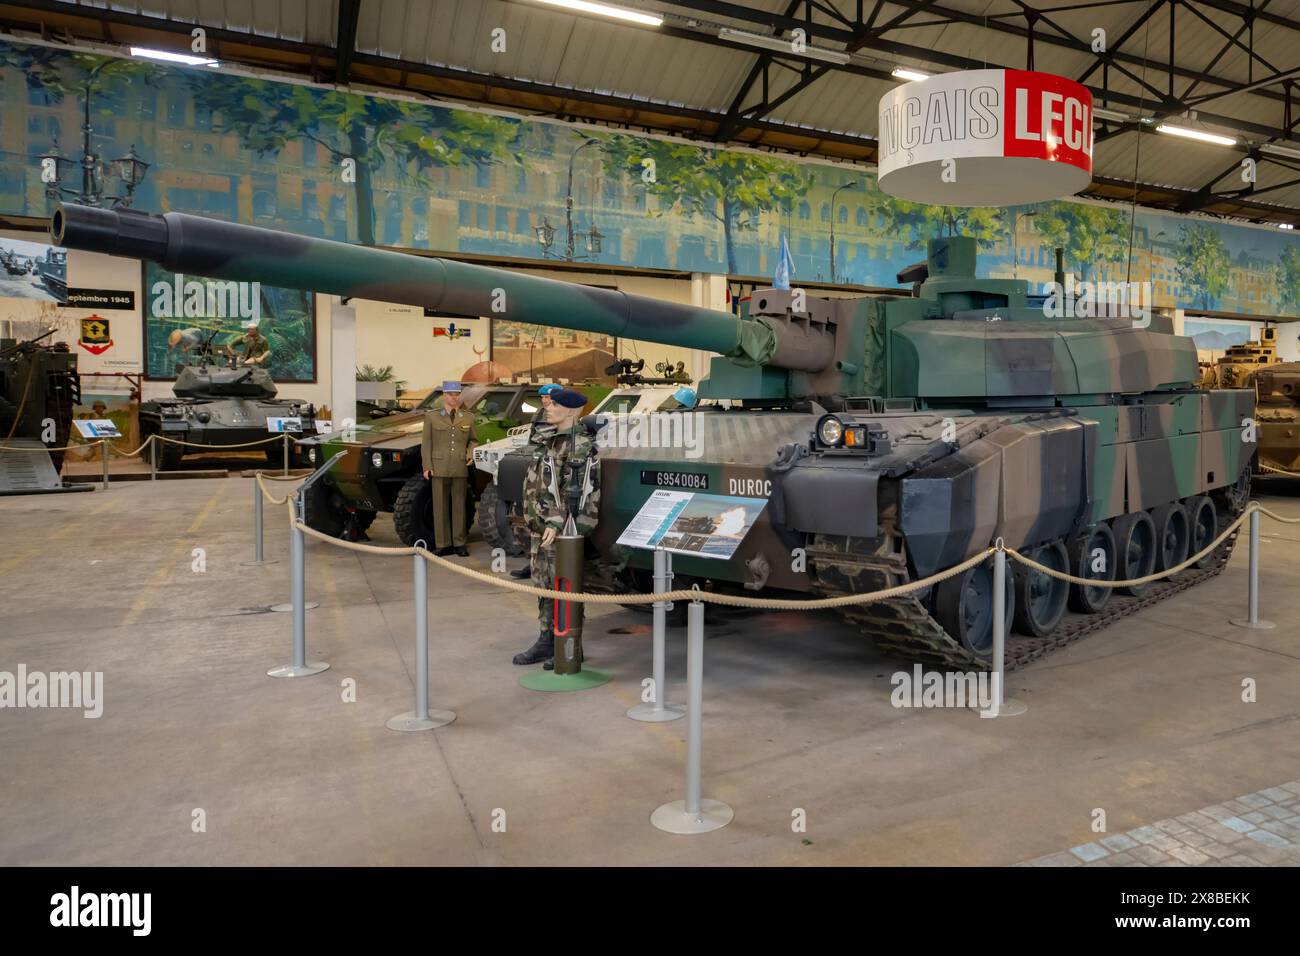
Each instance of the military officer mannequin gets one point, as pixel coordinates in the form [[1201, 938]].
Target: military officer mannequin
[[562, 443], [446, 449]]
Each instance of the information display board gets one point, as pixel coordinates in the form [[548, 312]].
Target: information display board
[[688, 522]]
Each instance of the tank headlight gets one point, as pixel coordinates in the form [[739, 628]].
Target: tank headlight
[[377, 460], [311, 455], [830, 430]]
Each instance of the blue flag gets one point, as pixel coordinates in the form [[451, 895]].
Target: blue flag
[[784, 267]]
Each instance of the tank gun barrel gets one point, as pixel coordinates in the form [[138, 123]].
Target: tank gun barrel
[[223, 250]]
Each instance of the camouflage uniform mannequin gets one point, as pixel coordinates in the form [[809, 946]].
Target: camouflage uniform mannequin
[[562, 444], [544, 393]]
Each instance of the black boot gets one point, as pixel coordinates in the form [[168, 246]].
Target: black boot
[[524, 572], [543, 649]]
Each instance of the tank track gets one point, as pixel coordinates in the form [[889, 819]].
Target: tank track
[[904, 628]]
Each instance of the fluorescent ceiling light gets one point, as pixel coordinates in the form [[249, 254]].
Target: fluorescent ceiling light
[[606, 10], [1114, 115], [903, 73], [782, 45], [1197, 134], [171, 57], [1286, 151], [1286, 225]]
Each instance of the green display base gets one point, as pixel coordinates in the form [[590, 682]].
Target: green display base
[[551, 681]]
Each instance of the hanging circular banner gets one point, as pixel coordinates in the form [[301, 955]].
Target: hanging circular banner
[[986, 138]]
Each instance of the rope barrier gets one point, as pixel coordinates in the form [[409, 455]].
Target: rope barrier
[[144, 445], [739, 600], [1278, 470]]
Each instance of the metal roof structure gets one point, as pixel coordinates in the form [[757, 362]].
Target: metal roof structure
[[724, 72]]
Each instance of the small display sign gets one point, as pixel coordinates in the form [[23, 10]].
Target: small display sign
[[96, 428], [684, 522], [119, 299], [284, 425], [324, 425]]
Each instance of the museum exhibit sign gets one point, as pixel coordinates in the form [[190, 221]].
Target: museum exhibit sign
[[986, 138]]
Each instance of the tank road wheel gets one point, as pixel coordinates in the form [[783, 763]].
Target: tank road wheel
[[1041, 598], [321, 512], [1086, 562], [963, 605], [493, 519], [1135, 544], [1171, 535], [1203, 525], [413, 512]]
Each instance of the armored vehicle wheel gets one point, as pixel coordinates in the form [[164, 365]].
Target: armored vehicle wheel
[[413, 512], [1203, 527], [1135, 544], [963, 606], [493, 519], [1236, 496], [321, 512], [1171, 535], [1085, 562], [1041, 598]]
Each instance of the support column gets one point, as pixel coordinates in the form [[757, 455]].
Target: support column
[[343, 361]]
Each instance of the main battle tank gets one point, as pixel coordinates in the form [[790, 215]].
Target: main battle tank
[[220, 404], [889, 437], [1276, 383]]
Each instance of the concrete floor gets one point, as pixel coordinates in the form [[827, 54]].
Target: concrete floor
[[1144, 721]]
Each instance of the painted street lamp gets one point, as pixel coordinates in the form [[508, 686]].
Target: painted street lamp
[[833, 195], [130, 169], [545, 236]]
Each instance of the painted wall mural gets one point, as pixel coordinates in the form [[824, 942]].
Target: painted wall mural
[[392, 172], [183, 313]]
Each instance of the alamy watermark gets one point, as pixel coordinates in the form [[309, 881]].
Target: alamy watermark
[[76, 690], [655, 430], [75, 908], [964, 689], [1090, 300], [207, 298]]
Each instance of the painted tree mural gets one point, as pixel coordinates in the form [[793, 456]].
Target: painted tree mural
[[367, 130], [1090, 235], [1288, 279], [921, 222], [732, 187], [1203, 262]]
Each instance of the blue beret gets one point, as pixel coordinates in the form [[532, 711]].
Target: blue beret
[[568, 398], [451, 386], [549, 389]]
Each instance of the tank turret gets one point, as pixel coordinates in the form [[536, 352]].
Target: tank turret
[[886, 438], [204, 380]]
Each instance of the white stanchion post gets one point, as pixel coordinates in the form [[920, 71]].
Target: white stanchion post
[[299, 667], [258, 528], [103, 449], [694, 814], [1252, 583], [656, 710], [1001, 705], [421, 718]]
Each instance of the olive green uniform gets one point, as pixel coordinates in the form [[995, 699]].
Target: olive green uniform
[[255, 345], [447, 441], [546, 500]]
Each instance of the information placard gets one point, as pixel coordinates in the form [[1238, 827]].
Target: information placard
[[284, 425], [96, 428], [686, 522]]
